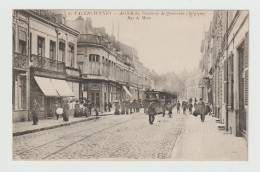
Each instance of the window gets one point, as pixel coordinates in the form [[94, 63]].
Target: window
[[22, 41], [52, 49], [19, 91], [94, 65], [22, 47], [80, 66], [41, 46], [22, 92], [61, 56], [94, 58], [14, 42], [71, 55]]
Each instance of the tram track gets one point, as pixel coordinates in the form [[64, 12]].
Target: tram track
[[69, 136]]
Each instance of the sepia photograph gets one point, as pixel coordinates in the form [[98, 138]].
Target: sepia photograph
[[130, 85]]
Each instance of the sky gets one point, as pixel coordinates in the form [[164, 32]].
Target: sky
[[166, 41]]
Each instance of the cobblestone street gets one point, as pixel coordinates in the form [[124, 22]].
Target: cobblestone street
[[110, 137]]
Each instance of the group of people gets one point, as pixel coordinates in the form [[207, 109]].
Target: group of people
[[62, 110], [127, 107], [200, 108], [168, 107], [83, 108]]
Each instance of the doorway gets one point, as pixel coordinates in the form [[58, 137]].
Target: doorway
[[95, 99]]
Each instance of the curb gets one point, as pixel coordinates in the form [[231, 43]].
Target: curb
[[51, 127]]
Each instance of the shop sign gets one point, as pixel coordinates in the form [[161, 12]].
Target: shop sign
[[94, 88]]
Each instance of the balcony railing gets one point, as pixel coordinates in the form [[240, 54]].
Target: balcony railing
[[47, 63], [20, 61]]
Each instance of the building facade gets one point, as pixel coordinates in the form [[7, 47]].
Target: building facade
[[225, 49], [110, 69], [193, 89], [44, 62]]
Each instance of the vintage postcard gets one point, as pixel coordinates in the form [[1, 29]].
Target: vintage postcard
[[130, 85]]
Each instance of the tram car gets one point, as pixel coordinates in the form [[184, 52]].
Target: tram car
[[162, 100]]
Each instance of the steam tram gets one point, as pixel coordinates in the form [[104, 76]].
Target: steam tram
[[161, 100]]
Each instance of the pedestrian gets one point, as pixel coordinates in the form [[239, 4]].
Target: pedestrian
[[96, 110], [170, 110], [105, 106], [151, 112], [89, 107], [190, 100], [86, 111], [138, 105], [117, 112], [81, 108], [35, 111], [66, 108], [201, 110], [130, 107], [123, 108], [56, 106], [208, 109], [184, 106], [109, 106], [178, 106], [77, 109], [163, 108], [190, 106], [127, 107], [195, 105]]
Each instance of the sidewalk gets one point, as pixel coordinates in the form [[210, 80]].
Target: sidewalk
[[20, 128], [204, 141]]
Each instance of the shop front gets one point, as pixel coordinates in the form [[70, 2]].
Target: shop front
[[94, 92], [47, 92]]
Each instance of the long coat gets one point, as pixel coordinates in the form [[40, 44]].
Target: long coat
[[35, 109], [201, 109]]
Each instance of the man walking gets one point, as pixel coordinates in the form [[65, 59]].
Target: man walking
[[178, 106], [109, 106], [190, 106], [151, 112], [66, 108], [117, 107], [201, 110], [35, 112], [105, 106], [184, 106], [123, 108], [163, 108]]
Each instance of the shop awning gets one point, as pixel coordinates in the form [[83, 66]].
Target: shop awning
[[46, 86], [127, 92], [62, 88]]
